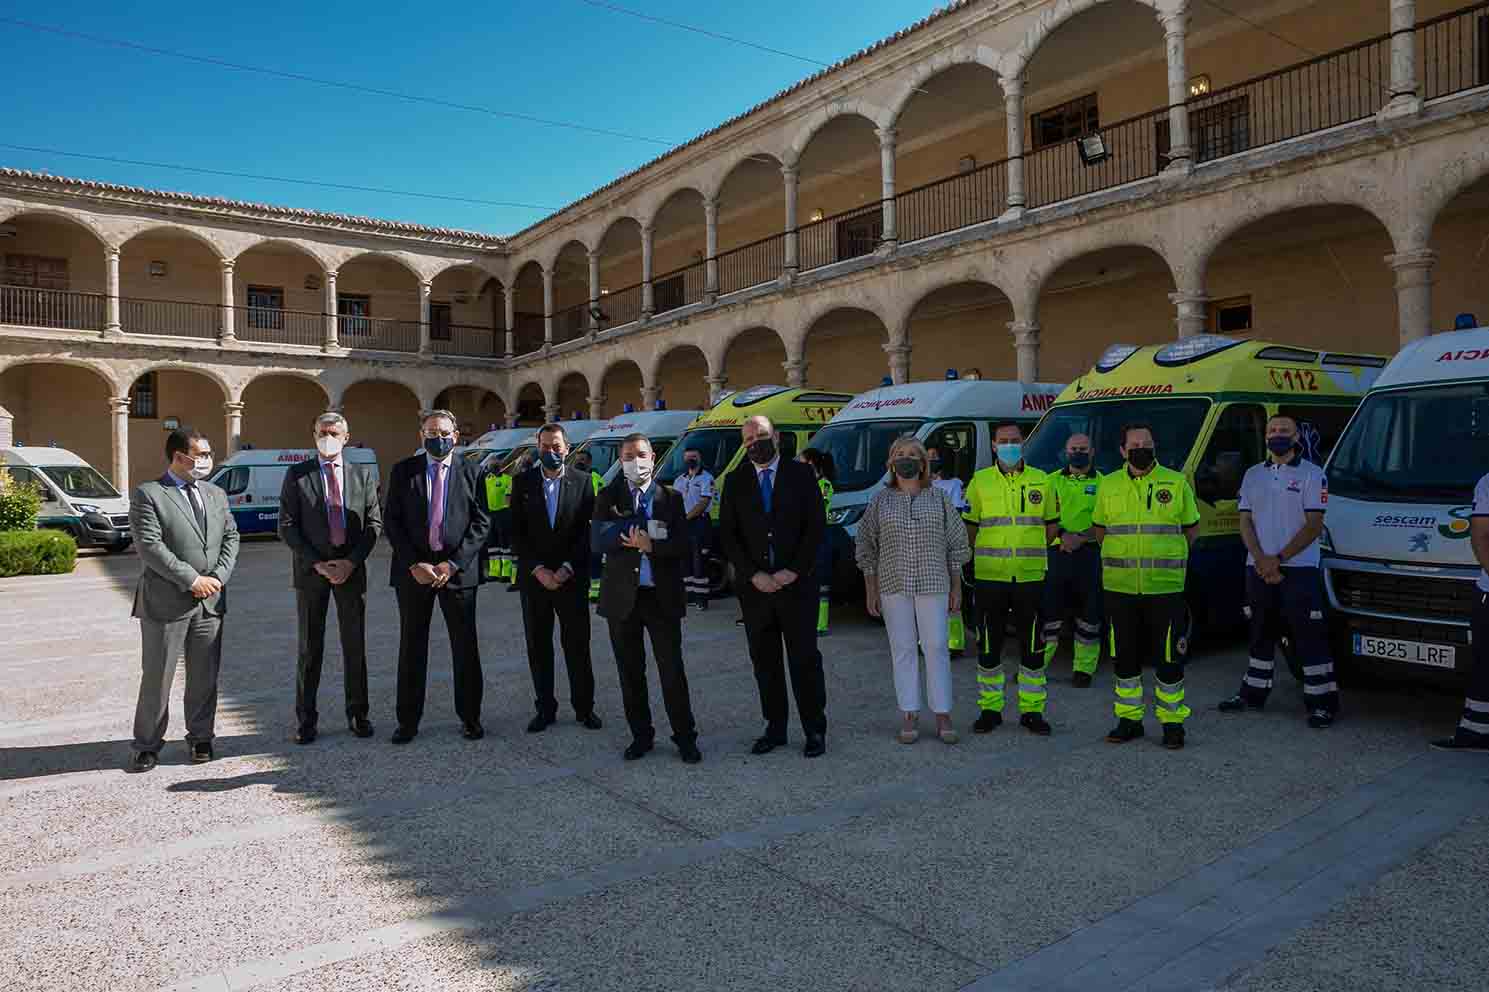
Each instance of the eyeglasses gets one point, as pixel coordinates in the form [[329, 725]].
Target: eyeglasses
[[434, 434]]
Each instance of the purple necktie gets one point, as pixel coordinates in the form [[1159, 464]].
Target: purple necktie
[[334, 509], [437, 508]]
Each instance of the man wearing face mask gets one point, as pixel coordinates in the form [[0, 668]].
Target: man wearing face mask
[[436, 519], [696, 488], [330, 518], [771, 523], [1074, 580], [188, 546], [1010, 519], [552, 507], [1145, 520], [641, 528], [1282, 515]]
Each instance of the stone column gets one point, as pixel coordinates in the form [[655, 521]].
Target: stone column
[[648, 301], [229, 335], [426, 346], [899, 362], [1413, 292], [594, 290], [1193, 312], [1026, 343], [649, 397], [552, 411], [790, 263], [234, 440], [596, 406], [509, 298], [716, 384], [7, 429], [111, 326], [886, 170], [796, 372], [511, 421], [1013, 109], [710, 250], [1180, 156], [548, 306], [119, 415], [1404, 98], [331, 339]]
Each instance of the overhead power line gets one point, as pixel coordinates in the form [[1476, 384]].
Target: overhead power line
[[279, 179], [703, 31]]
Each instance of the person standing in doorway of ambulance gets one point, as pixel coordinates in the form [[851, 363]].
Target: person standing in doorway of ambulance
[[1282, 515]]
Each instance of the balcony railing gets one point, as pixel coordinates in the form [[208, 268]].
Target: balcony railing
[[171, 318], [951, 203], [273, 325], [679, 288], [468, 340], [1057, 172], [571, 323], [622, 306], [1453, 52], [29, 307], [377, 333], [752, 264], [528, 335], [840, 237]]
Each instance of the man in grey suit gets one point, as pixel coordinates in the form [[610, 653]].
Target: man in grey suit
[[330, 517], [188, 545]]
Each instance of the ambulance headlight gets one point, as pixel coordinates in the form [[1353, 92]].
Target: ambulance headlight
[[1326, 541], [845, 516], [88, 507]]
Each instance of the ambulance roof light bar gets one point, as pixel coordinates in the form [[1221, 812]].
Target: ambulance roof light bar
[[1114, 356], [1192, 349]]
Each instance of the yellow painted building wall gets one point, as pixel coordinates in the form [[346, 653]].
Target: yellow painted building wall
[[279, 411], [63, 404], [385, 417]]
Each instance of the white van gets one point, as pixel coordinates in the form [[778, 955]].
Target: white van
[[956, 416], [497, 444], [253, 478], [662, 428], [1398, 566], [74, 497], [577, 431]]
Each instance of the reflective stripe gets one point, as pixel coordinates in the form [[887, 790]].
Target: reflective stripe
[[1130, 684], [1029, 521], [994, 552], [1172, 706], [1475, 706], [1122, 529], [1473, 726], [1090, 628], [1176, 689], [1143, 562], [1038, 552], [1263, 666], [1327, 668], [1257, 683], [1319, 690], [995, 521]]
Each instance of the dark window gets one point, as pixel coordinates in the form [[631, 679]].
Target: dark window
[[24, 476], [1215, 131], [1074, 119], [234, 481], [353, 312], [1319, 427], [669, 294], [142, 397], [1235, 446], [957, 444], [860, 235], [439, 321], [35, 272], [266, 307], [1232, 316]]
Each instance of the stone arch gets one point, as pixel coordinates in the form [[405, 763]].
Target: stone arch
[[105, 372], [64, 400], [843, 347], [529, 407], [1016, 60], [823, 116], [957, 323], [715, 188], [397, 257], [159, 227], [230, 392], [553, 259], [966, 53], [80, 220], [765, 339], [308, 249], [571, 391], [279, 414], [620, 383], [1037, 278], [1461, 175], [685, 388], [661, 202], [440, 266], [293, 374]]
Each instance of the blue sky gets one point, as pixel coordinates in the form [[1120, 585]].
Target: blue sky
[[560, 59]]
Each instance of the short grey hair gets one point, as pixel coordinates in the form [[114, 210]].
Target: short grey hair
[[429, 415], [761, 420], [331, 418]]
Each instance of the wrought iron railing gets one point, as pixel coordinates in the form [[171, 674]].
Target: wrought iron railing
[[752, 264], [377, 333], [171, 318], [275, 325], [840, 237], [27, 306], [470, 340], [621, 306], [1453, 52], [678, 288], [1129, 152], [951, 203]]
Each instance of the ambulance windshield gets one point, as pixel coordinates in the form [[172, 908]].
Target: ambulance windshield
[[860, 448], [1423, 445], [1175, 422]]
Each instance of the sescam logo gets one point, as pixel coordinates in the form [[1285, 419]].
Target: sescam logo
[[1038, 401], [1150, 390], [882, 404], [1404, 520], [1456, 526]]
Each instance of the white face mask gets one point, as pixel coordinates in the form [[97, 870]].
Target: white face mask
[[637, 470], [329, 446], [201, 468]]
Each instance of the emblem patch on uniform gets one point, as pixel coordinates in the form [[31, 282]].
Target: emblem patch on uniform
[[1165, 496], [1036, 497], [1295, 486], [1182, 646], [1091, 490]]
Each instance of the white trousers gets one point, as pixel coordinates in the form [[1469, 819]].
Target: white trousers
[[912, 621]]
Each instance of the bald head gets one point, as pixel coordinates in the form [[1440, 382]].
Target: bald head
[[757, 427], [759, 440]]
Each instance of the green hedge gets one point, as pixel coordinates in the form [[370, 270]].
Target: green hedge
[[36, 552]]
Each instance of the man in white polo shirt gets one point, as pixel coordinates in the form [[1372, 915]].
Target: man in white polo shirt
[[1473, 729], [1282, 515]]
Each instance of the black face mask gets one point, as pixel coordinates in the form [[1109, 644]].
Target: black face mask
[[439, 447], [1079, 459], [762, 450], [1140, 458], [906, 468], [935, 464]]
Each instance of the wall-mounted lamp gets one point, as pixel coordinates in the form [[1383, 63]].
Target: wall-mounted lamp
[[1092, 148], [157, 270], [966, 163], [817, 215], [604, 291], [1199, 85]]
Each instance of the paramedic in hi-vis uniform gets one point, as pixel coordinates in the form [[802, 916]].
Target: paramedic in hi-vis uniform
[[584, 463], [499, 564], [1282, 515], [1010, 521], [1145, 520], [1074, 579]]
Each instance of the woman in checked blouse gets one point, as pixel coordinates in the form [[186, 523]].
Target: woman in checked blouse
[[911, 548]]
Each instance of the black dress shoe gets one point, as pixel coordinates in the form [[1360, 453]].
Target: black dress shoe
[[816, 746], [539, 723], [689, 753], [305, 735], [1464, 744], [1237, 704], [591, 721], [143, 761], [403, 735], [638, 749], [765, 745], [360, 726], [201, 752], [472, 731]]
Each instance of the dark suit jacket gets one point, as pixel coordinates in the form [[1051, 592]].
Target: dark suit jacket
[[623, 565], [174, 552], [534, 541], [305, 526], [406, 520], [795, 527]]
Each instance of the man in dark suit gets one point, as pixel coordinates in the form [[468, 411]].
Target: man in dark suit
[[435, 517], [188, 546], [641, 528], [330, 517], [551, 511], [771, 522]]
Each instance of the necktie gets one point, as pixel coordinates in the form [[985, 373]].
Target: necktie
[[765, 489], [334, 509], [194, 497], [437, 509]]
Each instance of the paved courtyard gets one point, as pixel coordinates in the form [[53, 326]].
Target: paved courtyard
[[1264, 856]]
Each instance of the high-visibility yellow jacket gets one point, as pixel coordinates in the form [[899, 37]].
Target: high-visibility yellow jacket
[[1144, 551], [1075, 498], [498, 491], [1010, 510], [596, 481], [827, 491]]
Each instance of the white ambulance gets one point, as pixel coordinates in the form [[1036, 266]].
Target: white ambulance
[[1397, 563], [253, 478], [955, 416], [662, 428], [577, 431], [494, 444], [75, 497]]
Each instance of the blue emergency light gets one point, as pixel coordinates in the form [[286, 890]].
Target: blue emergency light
[[627, 408], [661, 405], [951, 375], [887, 381], [1465, 322]]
